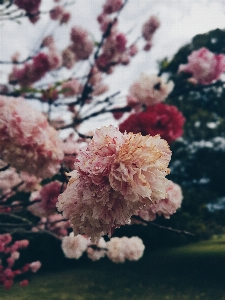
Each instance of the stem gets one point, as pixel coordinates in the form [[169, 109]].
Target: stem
[[163, 227]]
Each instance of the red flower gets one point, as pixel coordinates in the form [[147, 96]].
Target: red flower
[[161, 119]]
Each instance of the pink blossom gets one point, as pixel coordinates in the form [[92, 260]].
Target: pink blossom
[[150, 90], [71, 88], [106, 22], [112, 6], [74, 246], [49, 196], [10, 262], [94, 210], [35, 207], [97, 159], [96, 80], [57, 12], [116, 176], [65, 17], [54, 59], [48, 42], [21, 244], [150, 27], [34, 18], [35, 266], [5, 239], [98, 252], [165, 120], [82, 46], [120, 249], [133, 50], [165, 207], [139, 169], [8, 179], [28, 143], [15, 255], [31, 71], [30, 6], [24, 283], [30, 182], [113, 51], [69, 58], [57, 225], [204, 66], [36, 69]]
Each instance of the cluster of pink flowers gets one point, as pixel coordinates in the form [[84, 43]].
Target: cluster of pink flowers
[[204, 66], [74, 246], [117, 249], [48, 196], [69, 58], [162, 119], [36, 69], [27, 141], [165, 207], [10, 179], [71, 88], [31, 7], [81, 45], [60, 14], [148, 30], [114, 51], [115, 177], [9, 252], [97, 251], [112, 6], [120, 249], [149, 90], [96, 82]]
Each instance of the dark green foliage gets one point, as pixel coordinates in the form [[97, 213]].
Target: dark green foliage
[[198, 160]]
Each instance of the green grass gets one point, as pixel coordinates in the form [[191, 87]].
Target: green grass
[[196, 271]]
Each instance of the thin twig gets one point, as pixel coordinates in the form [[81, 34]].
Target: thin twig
[[163, 227]]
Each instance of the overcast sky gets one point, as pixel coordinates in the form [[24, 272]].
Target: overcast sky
[[180, 21]]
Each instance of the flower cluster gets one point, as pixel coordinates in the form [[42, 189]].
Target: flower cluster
[[45, 199], [31, 8], [59, 13], [27, 141], [36, 69], [9, 252], [148, 30], [204, 66], [149, 90], [120, 249], [81, 45], [162, 119], [165, 207], [74, 246], [117, 249], [115, 177]]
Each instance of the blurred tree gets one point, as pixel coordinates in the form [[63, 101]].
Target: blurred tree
[[198, 160]]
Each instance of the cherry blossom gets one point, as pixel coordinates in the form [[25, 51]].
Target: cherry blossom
[[114, 177], [161, 119], [28, 142], [204, 66], [149, 90]]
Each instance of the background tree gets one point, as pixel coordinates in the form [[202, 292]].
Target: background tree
[[198, 157]]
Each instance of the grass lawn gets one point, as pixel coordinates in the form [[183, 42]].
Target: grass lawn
[[196, 271]]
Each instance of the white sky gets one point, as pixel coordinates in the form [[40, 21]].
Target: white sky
[[180, 21]]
